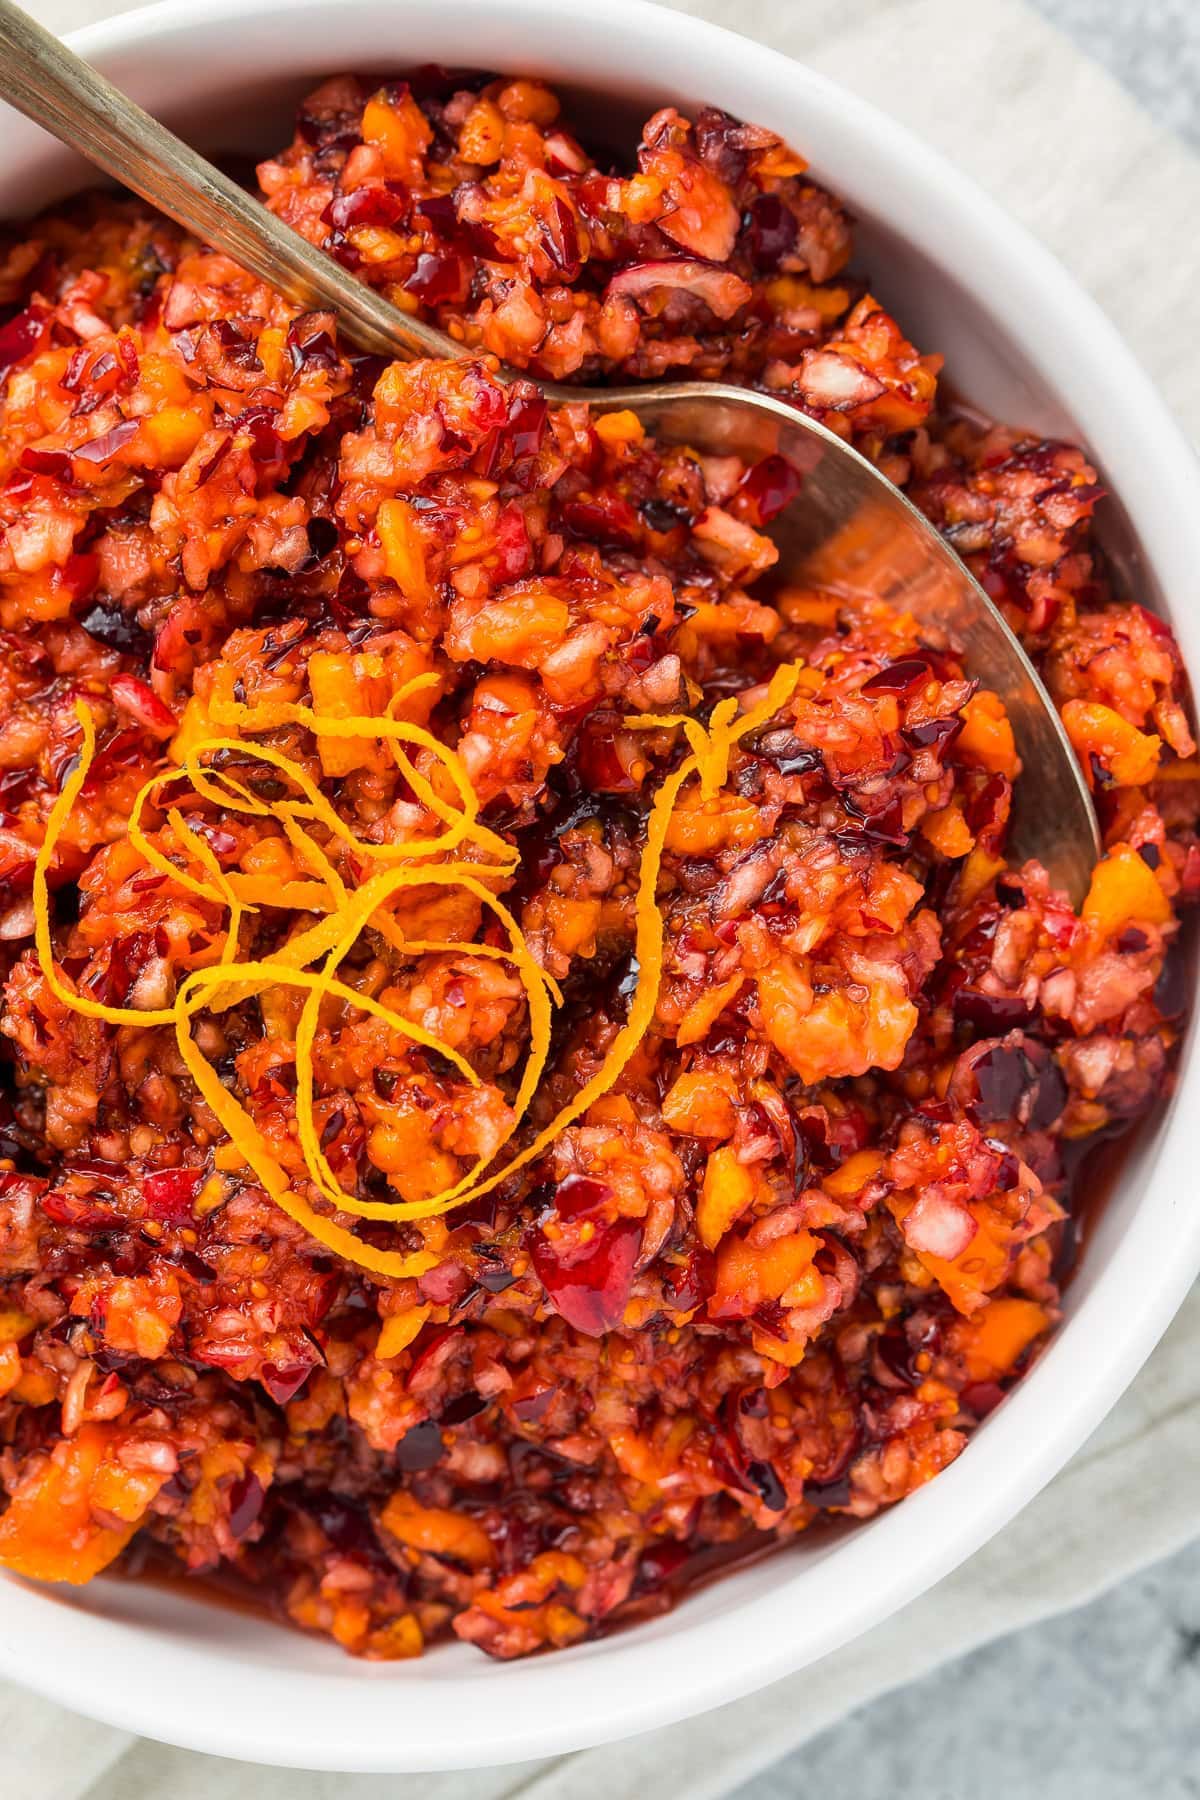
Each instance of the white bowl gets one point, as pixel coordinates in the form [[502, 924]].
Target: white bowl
[[1023, 342]]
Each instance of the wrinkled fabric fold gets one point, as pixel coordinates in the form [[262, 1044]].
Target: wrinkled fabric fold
[[1006, 98]]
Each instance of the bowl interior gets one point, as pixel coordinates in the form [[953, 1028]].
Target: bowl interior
[[162, 1663]]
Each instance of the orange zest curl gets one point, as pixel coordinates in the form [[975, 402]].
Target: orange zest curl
[[309, 960]]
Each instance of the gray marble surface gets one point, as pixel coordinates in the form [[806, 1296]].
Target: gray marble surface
[[1102, 1704]]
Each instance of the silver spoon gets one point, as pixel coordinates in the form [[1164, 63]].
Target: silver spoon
[[849, 528]]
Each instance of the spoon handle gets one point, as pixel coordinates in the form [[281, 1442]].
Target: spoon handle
[[58, 90]]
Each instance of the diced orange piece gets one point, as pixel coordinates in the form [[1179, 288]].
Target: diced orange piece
[[49, 1532], [194, 727], [403, 548], [703, 1011], [748, 1274], [398, 1639], [437, 1531], [1124, 891], [174, 432], [986, 738], [790, 1352], [1129, 755], [125, 1493], [853, 1175], [335, 678], [35, 1387], [994, 1338], [789, 291], [827, 1035], [948, 832], [700, 1104], [138, 1313], [398, 1332], [727, 1191], [699, 826], [519, 628], [272, 352], [803, 606], [617, 428], [481, 135], [399, 131], [1187, 770], [966, 1279], [979, 868]]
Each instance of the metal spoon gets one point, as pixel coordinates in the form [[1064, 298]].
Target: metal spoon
[[849, 528]]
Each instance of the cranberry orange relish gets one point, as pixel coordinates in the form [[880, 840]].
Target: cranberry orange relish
[[527, 1068]]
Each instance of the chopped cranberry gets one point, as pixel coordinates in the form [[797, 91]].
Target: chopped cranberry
[[421, 1447], [902, 678], [441, 277], [169, 1194], [1172, 990], [47, 462], [246, 1496], [376, 203], [767, 488], [597, 758], [525, 428], [688, 1285], [933, 733], [495, 1280], [433, 81], [1001, 1076], [440, 212], [260, 424], [310, 342], [769, 231], [730, 1461], [993, 1014], [101, 450], [80, 573], [346, 1523], [322, 536], [78, 1213], [23, 336], [329, 130], [767, 1485], [591, 1291], [828, 1493], [580, 1197], [142, 703], [560, 239], [720, 144], [445, 1284], [532, 1407], [1008, 1171], [661, 1562], [895, 1353], [1050, 1097], [606, 519], [463, 1407], [981, 1398], [987, 810], [283, 1381]]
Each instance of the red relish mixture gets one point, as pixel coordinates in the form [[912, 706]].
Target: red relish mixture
[[303, 1281]]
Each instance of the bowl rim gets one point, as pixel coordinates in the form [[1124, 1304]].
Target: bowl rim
[[643, 1679]]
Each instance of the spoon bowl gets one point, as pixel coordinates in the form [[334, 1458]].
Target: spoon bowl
[[848, 529]]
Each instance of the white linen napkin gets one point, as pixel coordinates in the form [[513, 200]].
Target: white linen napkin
[[1068, 152]]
